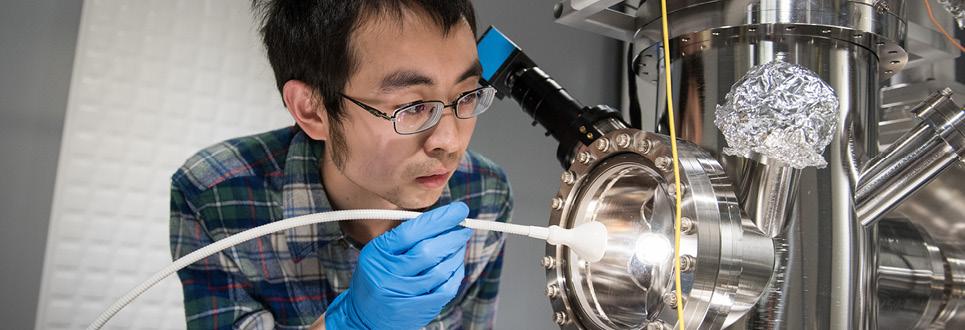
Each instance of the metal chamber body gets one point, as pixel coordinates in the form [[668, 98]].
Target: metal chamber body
[[826, 270], [625, 181], [823, 194]]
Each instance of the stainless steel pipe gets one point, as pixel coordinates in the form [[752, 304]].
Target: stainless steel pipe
[[914, 159]]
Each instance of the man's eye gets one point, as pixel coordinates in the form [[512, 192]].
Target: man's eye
[[408, 106], [469, 98], [420, 108]]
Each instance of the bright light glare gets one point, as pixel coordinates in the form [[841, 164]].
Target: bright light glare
[[652, 248]]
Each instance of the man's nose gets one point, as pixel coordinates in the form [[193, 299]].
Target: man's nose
[[444, 137]]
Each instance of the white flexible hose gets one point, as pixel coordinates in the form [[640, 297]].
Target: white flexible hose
[[591, 248]]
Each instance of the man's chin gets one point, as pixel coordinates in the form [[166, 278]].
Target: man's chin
[[420, 199]]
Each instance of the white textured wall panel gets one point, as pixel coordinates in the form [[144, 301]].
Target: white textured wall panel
[[153, 82]]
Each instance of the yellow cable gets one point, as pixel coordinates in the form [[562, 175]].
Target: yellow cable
[[676, 167]]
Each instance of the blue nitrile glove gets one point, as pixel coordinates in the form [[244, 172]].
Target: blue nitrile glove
[[405, 276]]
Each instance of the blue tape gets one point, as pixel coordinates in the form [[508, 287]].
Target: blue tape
[[494, 49]]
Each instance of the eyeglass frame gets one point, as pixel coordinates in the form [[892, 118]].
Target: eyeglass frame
[[379, 113]]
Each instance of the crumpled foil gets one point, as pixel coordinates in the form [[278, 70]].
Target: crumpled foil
[[782, 111]]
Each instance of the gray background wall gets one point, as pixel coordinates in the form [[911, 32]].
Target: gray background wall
[[588, 66], [38, 39]]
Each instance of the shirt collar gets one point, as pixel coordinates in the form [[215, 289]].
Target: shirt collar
[[303, 193]]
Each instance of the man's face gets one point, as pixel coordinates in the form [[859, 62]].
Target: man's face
[[398, 64]]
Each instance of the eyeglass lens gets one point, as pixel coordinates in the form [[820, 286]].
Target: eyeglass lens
[[422, 116]]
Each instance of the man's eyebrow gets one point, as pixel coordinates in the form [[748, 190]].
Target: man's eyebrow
[[408, 78], [474, 71], [402, 79]]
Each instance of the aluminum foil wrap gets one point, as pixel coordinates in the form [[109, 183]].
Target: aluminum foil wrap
[[782, 111]]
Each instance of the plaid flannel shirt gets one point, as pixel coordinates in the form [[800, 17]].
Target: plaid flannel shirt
[[287, 279]]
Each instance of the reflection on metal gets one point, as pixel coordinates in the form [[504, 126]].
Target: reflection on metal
[[728, 261], [920, 283], [827, 265], [766, 193], [913, 160], [957, 9]]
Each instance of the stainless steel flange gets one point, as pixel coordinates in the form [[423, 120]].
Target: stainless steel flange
[[625, 181]]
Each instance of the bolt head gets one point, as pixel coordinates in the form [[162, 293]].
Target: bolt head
[[603, 144], [670, 299], [552, 291], [560, 318], [557, 203], [687, 263], [548, 262], [623, 141], [644, 146], [568, 177], [584, 158], [687, 226], [664, 163]]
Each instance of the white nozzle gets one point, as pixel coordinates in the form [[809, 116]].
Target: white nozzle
[[588, 240]]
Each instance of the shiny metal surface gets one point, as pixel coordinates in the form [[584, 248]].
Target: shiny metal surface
[[913, 160], [827, 263], [910, 276], [883, 18], [874, 25], [919, 281], [823, 194], [939, 208], [953, 315], [622, 186], [766, 192]]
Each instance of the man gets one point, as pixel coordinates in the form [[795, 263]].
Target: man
[[360, 79]]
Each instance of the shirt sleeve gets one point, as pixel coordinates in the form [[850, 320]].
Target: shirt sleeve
[[479, 306], [215, 294]]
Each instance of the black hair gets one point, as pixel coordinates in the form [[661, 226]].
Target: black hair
[[310, 40]]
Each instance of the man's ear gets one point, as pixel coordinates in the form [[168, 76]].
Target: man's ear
[[308, 111]]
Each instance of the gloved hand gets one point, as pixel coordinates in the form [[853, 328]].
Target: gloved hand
[[405, 276]]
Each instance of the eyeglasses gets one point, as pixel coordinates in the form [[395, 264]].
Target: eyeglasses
[[422, 115]]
